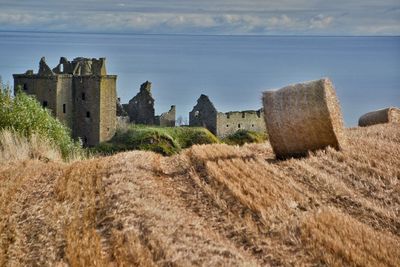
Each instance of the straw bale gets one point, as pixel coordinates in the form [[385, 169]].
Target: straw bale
[[303, 117], [386, 115]]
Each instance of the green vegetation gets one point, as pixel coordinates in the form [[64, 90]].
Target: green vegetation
[[242, 137], [164, 140], [24, 115]]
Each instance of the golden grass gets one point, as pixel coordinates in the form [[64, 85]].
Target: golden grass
[[337, 239], [14, 147], [211, 205]]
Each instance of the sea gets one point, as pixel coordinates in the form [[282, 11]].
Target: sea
[[232, 70]]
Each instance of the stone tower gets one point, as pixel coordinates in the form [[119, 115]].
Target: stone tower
[[79, 93]]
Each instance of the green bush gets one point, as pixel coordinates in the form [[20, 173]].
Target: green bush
[[242, 137], [26, 116], [188, 136], [164, 140]]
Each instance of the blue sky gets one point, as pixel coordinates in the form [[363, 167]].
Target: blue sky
[[292, 17]]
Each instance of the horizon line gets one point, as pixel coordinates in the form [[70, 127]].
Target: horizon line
[[194, 34]]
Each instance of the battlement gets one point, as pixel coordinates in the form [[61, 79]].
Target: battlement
[[241, 114], [81, 66]]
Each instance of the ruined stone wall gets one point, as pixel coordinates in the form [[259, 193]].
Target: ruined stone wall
[[141, 107], [204, 114], [108, 109], [120, 110], [230, 122], [167, 119], [81, 66], [86, 96]]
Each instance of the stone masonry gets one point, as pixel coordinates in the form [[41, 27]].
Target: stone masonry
[[167, 119], [204, 114], [79, 93], [140, 109]]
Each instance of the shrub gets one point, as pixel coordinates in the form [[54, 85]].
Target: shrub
[[242, 137], [139, 139], [164, 140], [26, 117], [188, 136]]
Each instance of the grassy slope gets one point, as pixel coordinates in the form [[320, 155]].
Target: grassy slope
[[164, 140], [209, 205]]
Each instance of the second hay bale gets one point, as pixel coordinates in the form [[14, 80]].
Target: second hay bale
[[303, 117], [387, 115]]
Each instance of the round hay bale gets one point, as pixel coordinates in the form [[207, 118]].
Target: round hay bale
[[386, 115], [303, 117]]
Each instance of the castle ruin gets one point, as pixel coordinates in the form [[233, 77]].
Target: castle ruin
[[79, 93], [140, 109], [204, 114]]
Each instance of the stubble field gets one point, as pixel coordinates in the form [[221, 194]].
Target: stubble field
[[211, 205]]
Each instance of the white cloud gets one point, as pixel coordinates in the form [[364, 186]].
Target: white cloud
[[320, 21], [205, 17]]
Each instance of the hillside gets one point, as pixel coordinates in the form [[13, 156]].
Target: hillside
[[210, 205]]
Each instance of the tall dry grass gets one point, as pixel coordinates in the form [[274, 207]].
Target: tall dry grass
[[15, 147], [211, 205]]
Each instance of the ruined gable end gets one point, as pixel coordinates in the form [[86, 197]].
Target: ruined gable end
[[141, 107], [44, 69], [204, 114]]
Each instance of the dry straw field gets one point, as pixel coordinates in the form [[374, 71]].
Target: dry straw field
[[212, 205]]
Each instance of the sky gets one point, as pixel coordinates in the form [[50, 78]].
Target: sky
[[214, 17]]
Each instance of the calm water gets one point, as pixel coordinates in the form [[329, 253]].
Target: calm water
[[232, 70]]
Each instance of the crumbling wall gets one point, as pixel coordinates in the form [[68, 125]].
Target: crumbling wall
[[141, 107], [44, 69], [230, 122], [167, 119], [120, 110], [204, 114], [81, 66]]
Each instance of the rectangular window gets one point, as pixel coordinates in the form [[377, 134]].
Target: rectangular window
[[83, 96], [87, 114], [44, 104], [64, 108]]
